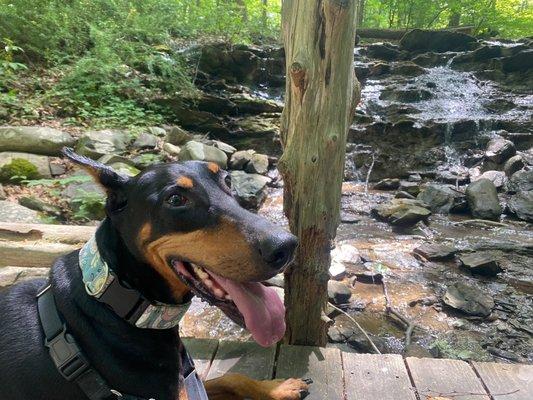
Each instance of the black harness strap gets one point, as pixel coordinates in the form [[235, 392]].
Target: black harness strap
[[67, 355], [74, 367]]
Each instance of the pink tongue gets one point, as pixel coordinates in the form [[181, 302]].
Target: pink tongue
[[263, 310]]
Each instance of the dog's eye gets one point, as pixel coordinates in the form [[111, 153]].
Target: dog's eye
[[177, 200], [227, 180]]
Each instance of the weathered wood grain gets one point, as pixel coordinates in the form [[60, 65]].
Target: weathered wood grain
[[322, 365], [247, 358], [507, 381], [376, 377], [202, 351], [445, 378]]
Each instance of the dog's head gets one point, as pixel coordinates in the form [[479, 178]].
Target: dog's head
[[181, 220]]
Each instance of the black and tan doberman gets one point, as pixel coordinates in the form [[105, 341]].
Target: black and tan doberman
[[104, 324]]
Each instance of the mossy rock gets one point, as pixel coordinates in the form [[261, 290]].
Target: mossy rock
[[17, 170]]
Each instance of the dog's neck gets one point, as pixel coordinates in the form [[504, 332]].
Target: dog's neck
[[138, 274], [102, 281]]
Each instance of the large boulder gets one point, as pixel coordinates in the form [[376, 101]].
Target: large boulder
[[34, 139], [442, 199], [178, 136], [500, 150], [512, 165], [521, 204], [402, 212], [521, 181], [95, 144], [250, 189], [145, 141], [338, 292], [202, 152], [41, 164], [435, 252], [468, 299], [419, 40], [13, 212], [483, 200]]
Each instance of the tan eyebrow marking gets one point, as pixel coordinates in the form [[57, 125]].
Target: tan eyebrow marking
[[184, 182], [214, 168]]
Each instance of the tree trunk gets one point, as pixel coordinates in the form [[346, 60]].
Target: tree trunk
[[321, 94]]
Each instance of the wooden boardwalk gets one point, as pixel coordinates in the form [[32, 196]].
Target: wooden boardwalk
[[348, 376]]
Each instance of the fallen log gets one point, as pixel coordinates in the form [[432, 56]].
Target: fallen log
[[38, 245]]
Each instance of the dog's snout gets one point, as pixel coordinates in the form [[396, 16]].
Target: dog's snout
[[277, 250]]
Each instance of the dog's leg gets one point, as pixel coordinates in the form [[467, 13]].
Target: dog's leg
[[240, 387]]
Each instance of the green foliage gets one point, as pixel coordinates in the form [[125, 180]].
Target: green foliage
[[17, 170], [90, 206], [505, 18]]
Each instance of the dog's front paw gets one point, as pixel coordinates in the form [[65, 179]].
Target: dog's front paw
[[290, 389]]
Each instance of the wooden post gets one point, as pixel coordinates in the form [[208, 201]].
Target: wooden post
[[321, 94]]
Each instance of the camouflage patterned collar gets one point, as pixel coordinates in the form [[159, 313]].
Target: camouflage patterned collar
[[101, 283]]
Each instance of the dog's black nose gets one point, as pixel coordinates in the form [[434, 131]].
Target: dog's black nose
[[278, 250]]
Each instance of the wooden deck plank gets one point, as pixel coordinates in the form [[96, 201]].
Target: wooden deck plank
[[322, 365], [243, 357], [376, 377], [202, 352], [504, 379], [445, 378]]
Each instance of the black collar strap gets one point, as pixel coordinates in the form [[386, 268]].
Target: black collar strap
[[69, 360]]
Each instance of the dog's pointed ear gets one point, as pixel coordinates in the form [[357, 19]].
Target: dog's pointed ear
[[112, 182]]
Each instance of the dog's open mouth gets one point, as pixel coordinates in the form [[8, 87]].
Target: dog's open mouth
[[249, 304]]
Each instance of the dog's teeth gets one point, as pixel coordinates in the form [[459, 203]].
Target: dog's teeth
[[209, 283], [219, 293], [228, 297]]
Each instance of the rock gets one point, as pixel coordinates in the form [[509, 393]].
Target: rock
[[250, 189], [521, 204], [480, 263], [383, 51], [513, 164], [404, 195], [145, 141], [483, 200], [95, 144], [415, 350], [171, 149], [418, 40], [498, 178], [13, 212], [178, 136], [75, 193], [522, 61], [408, 69], [258, 164], [226, 148], [499, 150], [521, 181], [34, 139], [435, 252], [460, 177], [240, 159], [402, 212], [412, 188], [338, 292], [2, 193], [387, 184], [468, 299], [156, 131], [201, 152], [109, 159], [442, 199], [57, 168], [407, 95], [33, 203], [247, 104], [41, 163]]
